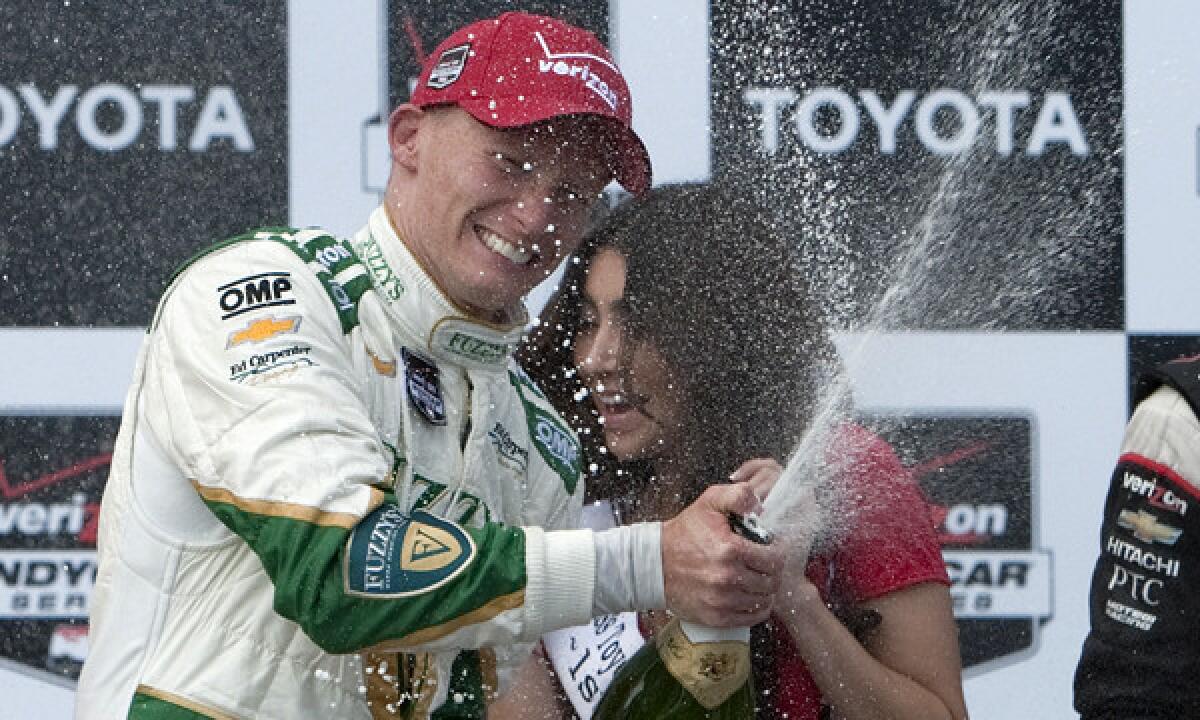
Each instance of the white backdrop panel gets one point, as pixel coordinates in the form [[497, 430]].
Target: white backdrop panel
[[1073, 386], [1162, 166]]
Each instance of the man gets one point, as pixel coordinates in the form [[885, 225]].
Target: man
[[1140, 659], [328, 451]]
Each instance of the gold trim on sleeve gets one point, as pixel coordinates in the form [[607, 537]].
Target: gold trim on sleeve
[[182, 702], [272, 508], [435, 632]]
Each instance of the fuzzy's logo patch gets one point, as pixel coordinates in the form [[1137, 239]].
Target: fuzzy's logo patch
[[391, 554]]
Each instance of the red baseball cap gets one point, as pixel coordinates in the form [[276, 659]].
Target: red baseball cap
[[518, 69]]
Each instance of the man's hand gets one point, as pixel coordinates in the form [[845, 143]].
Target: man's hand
[[795, 529], [711, 576]]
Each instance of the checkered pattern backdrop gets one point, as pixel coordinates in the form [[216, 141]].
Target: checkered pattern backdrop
[[996, 201]]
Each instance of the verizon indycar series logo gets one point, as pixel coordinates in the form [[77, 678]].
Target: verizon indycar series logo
[[52, 474], [977, 473]]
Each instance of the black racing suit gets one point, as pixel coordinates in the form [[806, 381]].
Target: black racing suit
[[1141, 659]]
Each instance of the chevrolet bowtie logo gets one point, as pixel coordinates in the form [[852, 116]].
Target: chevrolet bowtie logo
[[263, 329], [383, 367], [1147, 528]]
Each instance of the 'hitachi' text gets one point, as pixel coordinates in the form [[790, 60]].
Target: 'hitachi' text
[[1144, 558]]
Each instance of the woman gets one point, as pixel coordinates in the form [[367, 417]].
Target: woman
[[684, 350]]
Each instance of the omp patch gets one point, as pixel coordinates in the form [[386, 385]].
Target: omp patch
[[391, 554], [553, 441], [263, 329], [449, 66], [269, 289], [424, 387]]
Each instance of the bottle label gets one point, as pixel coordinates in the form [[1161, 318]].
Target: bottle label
[[710, 671], [588, 657]]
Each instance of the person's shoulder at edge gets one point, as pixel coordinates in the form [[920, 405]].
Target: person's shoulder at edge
[[1164, 429]]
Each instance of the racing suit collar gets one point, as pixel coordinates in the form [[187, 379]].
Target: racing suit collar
[[415, 301]]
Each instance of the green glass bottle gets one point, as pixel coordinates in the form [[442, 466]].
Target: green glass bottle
[[688, 672]]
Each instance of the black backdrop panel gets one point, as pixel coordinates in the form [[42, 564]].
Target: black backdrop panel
[[992, 196], [132, 134], [1148, 351]]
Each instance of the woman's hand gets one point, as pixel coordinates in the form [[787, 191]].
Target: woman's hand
[[761, 473]]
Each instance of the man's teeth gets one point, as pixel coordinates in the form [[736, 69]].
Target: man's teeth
[[497, 244]]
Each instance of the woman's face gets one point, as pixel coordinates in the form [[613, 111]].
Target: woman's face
[[630, 387]]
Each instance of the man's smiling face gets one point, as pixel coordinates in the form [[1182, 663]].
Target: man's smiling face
[[490, 213]]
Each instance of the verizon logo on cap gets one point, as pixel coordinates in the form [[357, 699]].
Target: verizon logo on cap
[[564, 64], [519, 69]]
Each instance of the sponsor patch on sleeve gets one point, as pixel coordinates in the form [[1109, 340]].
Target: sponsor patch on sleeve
[[271, 365], [263, 329], [390, 554], [553, 441], [254, 292], [556, 445]]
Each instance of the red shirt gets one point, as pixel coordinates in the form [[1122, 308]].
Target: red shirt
[[888, 542]]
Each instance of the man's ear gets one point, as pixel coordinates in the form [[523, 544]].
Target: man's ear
[[403, 125]]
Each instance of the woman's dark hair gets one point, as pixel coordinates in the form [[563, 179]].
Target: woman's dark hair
[[548, 356], [715, 291]]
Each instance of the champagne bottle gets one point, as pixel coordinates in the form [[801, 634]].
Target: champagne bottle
[[690, 671]]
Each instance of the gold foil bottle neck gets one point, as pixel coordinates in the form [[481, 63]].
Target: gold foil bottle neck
[[710, 671]]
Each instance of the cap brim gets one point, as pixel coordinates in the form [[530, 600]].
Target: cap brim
[[633, 162], [629, 159]]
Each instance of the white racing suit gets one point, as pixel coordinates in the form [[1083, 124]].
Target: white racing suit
[[321, 456], [1140, 659]]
